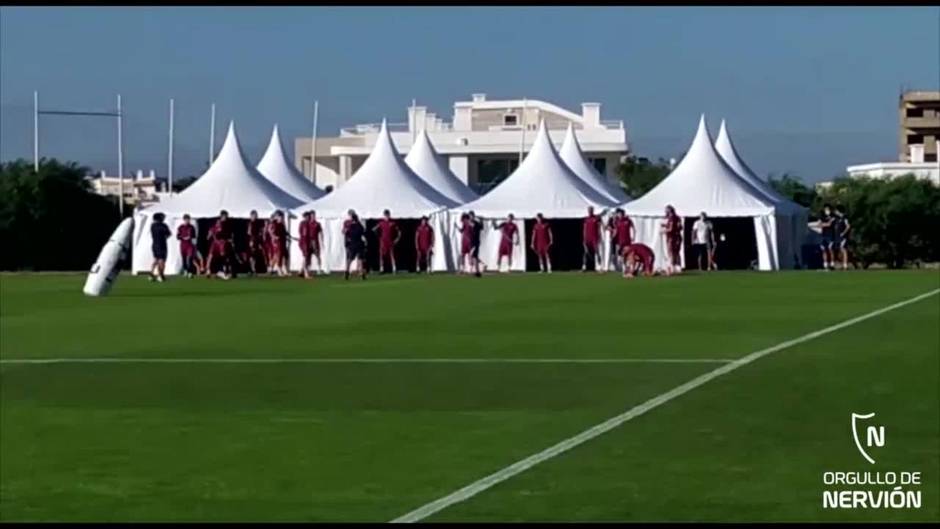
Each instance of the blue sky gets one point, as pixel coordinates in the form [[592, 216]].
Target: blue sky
[[805, 90]]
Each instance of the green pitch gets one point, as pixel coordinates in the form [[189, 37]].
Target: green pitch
[[372, 433]]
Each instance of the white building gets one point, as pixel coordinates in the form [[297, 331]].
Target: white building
[[137, 188], [928, 170], [481, 141]]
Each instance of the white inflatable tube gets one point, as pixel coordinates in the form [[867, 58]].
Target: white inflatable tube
[[106, 268]]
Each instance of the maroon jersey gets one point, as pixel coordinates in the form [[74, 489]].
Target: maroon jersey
[[424, 237], [466, 236], [314, 229], [255, 232], [186, 234], [541, 235], [508, 229], [387, 230], [220, 230], [278, 234], [674, 228], [622, 232], [591, 229]]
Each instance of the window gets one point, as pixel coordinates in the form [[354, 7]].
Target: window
[[930, 157], [600, 164], [510, 120], [915, 139], [915, 112], [493, 171]]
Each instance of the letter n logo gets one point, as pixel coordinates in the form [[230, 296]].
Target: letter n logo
[[874, 435]]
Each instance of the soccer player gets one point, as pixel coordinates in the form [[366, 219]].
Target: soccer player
[[256, 242], [389, 235], [476, 230], [354, 234], [466, 243], [159, 233], [591, 238], [315, 234], [509, 238], [424, 245], [841, 228], [827, 223], [672, 232], [703, 242], [268, 243], [221, 235], [186, 235], [624, 231], [637, 257], [279, 237], [542, 243]]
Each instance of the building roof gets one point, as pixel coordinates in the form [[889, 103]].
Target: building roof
[[702, 181], [383, 181], [571, 154], [230, 183], [275, 167], [541, 184], [426, 163]]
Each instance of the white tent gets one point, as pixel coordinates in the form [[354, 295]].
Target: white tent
[[542, 183], [571, 154], [796, 215], [230, 183], [425, 162], [275, 167], [703, 181], [383, 182]]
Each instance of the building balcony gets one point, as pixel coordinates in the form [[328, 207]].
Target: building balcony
[[923, 122]]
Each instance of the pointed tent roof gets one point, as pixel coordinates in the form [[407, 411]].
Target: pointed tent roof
[[725, 148], [383, 181], [424, 160], [702, 181], [275, 167], [572, 155], [230, 183], [541, 184]]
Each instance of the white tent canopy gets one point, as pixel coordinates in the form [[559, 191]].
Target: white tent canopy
[[383, 182], [275, 167], [426, 163], [703, 181], [573, 157], [230, 183], [542, 183]]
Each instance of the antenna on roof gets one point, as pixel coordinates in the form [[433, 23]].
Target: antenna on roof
[[313, 143], [522, 141]]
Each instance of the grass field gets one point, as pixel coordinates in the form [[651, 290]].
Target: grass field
[[324, 400]]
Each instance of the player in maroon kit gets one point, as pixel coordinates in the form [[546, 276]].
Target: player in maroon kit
[[542, 243], [315, 239], [186, 234], [221, 246], [466, 242], [637, 258], [672, 231], [255, 236], [389, 235], [591, 238], [424, 245], [279, 243], [509, 237], [624, 231]]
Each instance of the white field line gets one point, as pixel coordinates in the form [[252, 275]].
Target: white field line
[[521, 466], [119, 360]]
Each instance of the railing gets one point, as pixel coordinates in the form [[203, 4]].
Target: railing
[[616, 124], [372, 128]]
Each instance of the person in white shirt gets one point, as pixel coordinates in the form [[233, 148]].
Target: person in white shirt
[[703, 242]]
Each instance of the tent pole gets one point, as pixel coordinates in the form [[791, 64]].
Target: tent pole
[[120, 153], [169, 168], [313, 143], [36, 131], [212, 135], [522, 142]]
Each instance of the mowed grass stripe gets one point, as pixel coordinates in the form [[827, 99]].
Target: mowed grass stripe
[[521, 466]]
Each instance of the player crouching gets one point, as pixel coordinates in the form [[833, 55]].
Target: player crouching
[[637, 258]]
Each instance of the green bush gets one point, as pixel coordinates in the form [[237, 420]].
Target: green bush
[[894, 222], [51, 220]]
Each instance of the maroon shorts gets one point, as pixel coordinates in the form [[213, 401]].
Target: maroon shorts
[[385, 249], [541, 249], [423, 251], [465, 247], [219, 248], [591, 244], [187, 249], [505, 248]]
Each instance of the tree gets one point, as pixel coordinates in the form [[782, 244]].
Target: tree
[[893, 221], [639, 175], [50, 219], [793, 188]]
